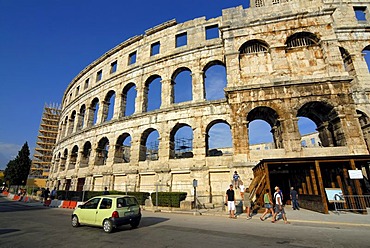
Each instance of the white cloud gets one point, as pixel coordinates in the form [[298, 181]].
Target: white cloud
[[7, 153]]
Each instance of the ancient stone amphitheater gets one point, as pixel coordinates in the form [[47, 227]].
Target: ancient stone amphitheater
[[282, 59]]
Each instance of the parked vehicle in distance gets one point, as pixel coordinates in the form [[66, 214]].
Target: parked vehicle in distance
[[108, 211]]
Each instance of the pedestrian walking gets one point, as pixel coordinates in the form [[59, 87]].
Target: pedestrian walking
[[294, 198], [53, 193], [242, 189], [230, 201], [267, 204], [279, 208], [247, 203], [236, 179], [46, 194]]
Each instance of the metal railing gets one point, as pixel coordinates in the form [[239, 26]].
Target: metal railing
[[354, 203]]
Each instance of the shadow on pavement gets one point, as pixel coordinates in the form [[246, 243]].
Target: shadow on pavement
[[16, 206]]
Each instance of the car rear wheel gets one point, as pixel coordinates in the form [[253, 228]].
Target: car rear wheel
[[135, 223], [107, 226], [75, 222]]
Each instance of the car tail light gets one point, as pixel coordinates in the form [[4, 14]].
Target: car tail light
[[115, 214]]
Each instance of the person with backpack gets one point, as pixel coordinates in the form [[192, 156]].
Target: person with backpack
[[279, 206]]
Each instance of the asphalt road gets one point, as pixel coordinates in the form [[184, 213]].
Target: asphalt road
[[22, 225]]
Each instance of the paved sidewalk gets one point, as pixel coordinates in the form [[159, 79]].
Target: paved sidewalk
[[295, 216]]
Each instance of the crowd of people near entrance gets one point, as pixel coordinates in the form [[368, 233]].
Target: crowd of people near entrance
[[273, 203]]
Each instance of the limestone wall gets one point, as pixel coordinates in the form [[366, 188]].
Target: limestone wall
[[269, 77]]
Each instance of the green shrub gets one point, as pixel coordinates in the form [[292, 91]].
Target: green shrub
[[77, 196], [169, 199]]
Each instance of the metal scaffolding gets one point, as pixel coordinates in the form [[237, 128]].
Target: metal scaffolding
[[45, 143]]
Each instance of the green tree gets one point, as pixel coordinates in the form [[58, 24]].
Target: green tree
[[17, 170]]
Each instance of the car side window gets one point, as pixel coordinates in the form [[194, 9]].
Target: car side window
[[106, 203], [121, 203], [92, 204]]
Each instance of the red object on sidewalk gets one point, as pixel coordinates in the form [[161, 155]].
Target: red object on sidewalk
[[47, 203]]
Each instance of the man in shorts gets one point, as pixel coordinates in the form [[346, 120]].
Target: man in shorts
[[230, 201], [279, 206]]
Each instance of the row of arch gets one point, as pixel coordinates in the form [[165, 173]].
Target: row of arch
[[181, 90], [322, 114]]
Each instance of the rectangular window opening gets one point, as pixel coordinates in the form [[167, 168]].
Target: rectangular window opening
[[99, 75], [212, 32], [113, 67], [360, 13], [155, 48], [77, 90], [181, 39], [132, 58], [86, 84]]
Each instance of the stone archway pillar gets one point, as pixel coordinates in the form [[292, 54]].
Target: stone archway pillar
[[167, 93], [198, 90]]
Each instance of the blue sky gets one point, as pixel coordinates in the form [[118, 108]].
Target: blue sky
[[45, 43]]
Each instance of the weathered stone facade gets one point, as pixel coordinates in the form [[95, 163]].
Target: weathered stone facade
[[284, 60]]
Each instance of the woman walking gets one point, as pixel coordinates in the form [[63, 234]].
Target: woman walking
[[268, 204]]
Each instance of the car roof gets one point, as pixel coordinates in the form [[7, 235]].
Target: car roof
[[113, 196]]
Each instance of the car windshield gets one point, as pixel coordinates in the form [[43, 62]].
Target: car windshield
[[126, 202]]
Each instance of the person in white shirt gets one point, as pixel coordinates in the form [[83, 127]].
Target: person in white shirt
[[279, 206]]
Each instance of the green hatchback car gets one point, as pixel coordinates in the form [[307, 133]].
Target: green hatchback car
[[108, 211]]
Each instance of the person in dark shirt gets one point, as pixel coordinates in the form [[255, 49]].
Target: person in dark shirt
[[106, 192], [294, 198], [230, 201]]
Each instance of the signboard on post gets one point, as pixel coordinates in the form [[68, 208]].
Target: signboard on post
[[355, 174]]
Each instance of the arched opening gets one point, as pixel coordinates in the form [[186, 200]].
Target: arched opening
[[65, 127], [347, 61], [302, 39], [260, 136], [264, 118], [305, 55], [152, 93], [327, 121], [85, 156], [218, 139], [102, 151], [365, 127], [252, 53], [71, 122], [81, 117], [63, 160], [309, 135], [181, 141], [182, 85], [149, 144], [122, 152], [108, 105], [366, 53], [215, 81], [128, 99], [57, 162], [93, 112], [73, 158], [253, 46]]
